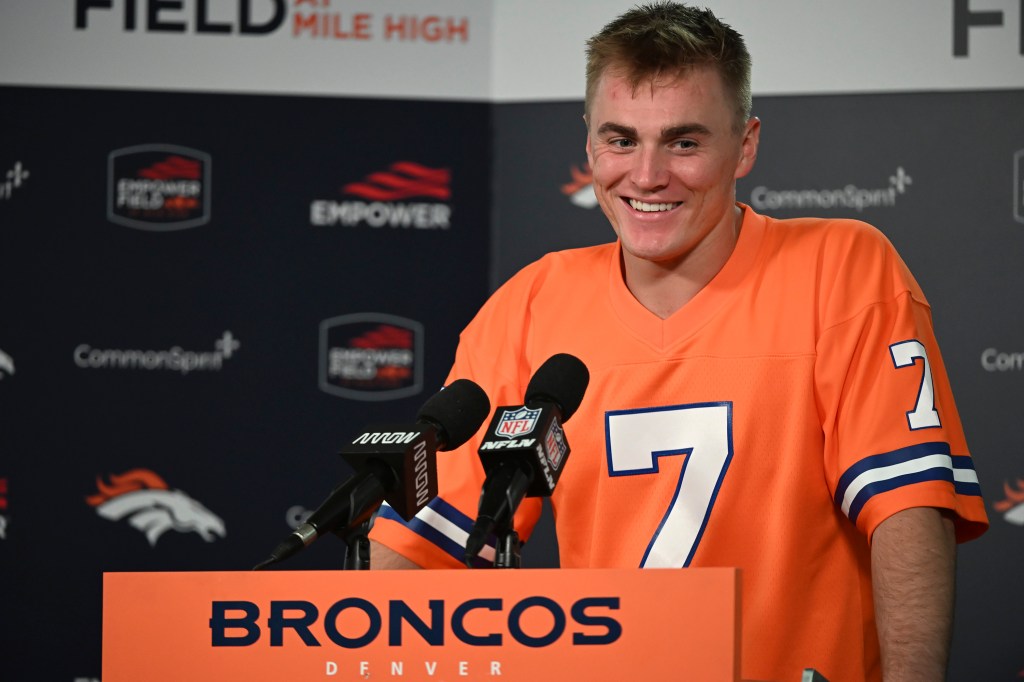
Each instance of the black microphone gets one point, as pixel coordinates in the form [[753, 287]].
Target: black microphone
[[393, 462], [524, 450]]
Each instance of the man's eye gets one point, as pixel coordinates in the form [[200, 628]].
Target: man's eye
[[621, 143], [685, 144]]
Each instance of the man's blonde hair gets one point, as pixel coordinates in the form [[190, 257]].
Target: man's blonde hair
[[668, 39]]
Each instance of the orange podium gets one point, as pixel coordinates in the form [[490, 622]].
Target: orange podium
[[407, 626]]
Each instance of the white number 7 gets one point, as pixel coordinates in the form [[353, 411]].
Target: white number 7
[[636, 439], [924, 414]]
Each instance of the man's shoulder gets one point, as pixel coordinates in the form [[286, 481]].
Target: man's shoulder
[[548, 280], [582, 256], [583, 262], [824, 228], [843, 255], [845, 237]]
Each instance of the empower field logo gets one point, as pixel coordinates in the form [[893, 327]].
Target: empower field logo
[[371, 356], [158, 187]]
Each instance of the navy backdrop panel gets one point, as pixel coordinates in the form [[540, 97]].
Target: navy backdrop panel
[[252, 439], [942, 175], [248, 440]]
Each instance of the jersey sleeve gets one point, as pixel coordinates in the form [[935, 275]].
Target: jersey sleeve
[[893, 437], [490, 353]]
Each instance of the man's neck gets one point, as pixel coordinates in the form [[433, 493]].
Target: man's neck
[[665, 287]]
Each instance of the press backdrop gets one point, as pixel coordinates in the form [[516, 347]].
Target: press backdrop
[[234, 232]]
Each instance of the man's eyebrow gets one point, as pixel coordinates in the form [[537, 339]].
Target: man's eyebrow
[[625, 131], [686, 129], [667, 133]]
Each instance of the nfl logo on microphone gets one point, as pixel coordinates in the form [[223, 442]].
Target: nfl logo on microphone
[[517, 422]]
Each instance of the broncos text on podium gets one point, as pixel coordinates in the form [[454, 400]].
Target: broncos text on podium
[[354, 622]]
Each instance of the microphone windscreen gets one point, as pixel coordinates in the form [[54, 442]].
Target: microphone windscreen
[[457, 410], [562, 380]]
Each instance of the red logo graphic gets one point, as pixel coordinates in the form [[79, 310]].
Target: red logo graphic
[[386, 336], [1012, 507], [3, 508], [150, 506], [402, 180], [173, 167]]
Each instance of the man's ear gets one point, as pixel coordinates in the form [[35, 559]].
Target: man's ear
[[590, 158], [748, 147]]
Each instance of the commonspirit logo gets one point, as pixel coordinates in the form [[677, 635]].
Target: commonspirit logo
[[995, 360], [13, 179], [174, 359], [308, 19], [379, 200], [848, 197]]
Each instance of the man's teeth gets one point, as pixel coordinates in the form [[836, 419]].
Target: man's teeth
[[651, 208]]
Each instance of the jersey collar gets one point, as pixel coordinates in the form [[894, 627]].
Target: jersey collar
[[712, 299]]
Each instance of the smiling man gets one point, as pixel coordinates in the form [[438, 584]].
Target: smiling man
[[765, 394], [665, 155]]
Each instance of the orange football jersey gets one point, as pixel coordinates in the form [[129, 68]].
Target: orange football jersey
[[770, 424]]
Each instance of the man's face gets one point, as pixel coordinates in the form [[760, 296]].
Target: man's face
[[665, 159]]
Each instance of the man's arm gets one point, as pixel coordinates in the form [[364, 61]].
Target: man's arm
[[913, 568], [382, 557]]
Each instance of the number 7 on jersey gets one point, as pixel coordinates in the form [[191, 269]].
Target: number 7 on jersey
[[637, 439]]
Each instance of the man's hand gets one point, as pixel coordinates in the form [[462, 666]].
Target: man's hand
[[913, 568], [385, 558]]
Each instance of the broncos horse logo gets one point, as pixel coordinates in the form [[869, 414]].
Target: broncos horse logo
[[144, 499], [581, 190], [1012, 507]]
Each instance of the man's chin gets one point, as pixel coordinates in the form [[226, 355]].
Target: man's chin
[[652, 254]]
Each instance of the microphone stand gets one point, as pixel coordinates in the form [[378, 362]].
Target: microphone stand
[[504, 489], [357, 556], [506, 547]]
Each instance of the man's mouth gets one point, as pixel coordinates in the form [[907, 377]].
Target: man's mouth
[[645, 207]]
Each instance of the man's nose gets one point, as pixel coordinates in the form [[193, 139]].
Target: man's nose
[[650, 171]]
